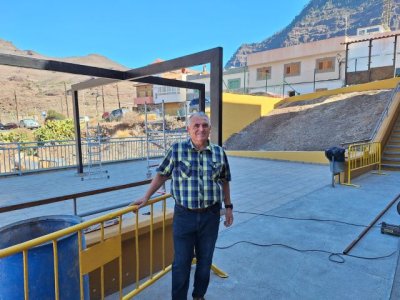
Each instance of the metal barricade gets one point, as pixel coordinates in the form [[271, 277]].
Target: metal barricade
[[361, 156]]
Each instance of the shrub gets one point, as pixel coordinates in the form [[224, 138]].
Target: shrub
[[54, 115], [17, 135], [56, 130]]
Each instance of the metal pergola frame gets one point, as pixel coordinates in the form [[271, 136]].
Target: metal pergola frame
[[142, 74]]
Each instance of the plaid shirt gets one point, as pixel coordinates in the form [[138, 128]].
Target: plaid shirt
[[197, 176]]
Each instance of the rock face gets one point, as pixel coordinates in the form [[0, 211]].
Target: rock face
[[314, 125], [322, 19]]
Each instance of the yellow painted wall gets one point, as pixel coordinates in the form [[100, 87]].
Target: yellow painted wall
[[237, 107], [238, 116], [241, 110], [172, 108], [317, 157]]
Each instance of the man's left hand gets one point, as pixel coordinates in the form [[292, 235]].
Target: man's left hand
[[228, 217]]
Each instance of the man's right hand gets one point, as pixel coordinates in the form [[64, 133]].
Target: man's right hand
[[141, 202]]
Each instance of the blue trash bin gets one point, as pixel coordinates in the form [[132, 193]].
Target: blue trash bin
[[40, 261]]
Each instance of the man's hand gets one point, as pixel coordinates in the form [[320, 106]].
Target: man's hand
[[228, 217], [141, 202]]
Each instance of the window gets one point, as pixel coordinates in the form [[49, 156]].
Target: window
[[292, 69], [234, 84], [375, 29], [144, 91], [163, 90], [326, 64], [262, 73]]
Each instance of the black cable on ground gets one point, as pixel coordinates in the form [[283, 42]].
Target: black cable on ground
[[334, 257], [300, 219]]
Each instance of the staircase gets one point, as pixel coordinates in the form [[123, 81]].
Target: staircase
[[391, 152]]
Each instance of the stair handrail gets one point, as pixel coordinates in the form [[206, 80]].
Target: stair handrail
[[385, 112]]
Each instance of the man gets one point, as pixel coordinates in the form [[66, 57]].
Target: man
[[200, 183]]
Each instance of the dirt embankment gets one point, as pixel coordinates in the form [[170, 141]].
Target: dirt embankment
[[314, 125]]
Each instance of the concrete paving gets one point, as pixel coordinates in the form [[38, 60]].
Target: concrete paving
[[288, 222]]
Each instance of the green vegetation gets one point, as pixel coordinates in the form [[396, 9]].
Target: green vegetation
[[54, 115], [56, 130], [17, 135]]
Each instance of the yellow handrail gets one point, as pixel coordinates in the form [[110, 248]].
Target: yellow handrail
[[363, 155], [53, 238], [106, 248]]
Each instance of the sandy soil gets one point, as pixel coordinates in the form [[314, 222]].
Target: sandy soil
[[314, 124]]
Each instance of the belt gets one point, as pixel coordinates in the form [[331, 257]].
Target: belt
[[200, 210]]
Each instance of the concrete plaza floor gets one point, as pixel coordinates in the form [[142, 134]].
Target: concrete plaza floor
[[288, 220]]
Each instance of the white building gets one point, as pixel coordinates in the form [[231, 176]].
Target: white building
[[314, 66], [302, 68]]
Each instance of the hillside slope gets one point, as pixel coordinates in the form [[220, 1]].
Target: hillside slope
[[34, 91], [314, 125]]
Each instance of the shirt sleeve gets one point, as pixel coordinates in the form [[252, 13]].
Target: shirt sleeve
[[167, 164], [226, 172]]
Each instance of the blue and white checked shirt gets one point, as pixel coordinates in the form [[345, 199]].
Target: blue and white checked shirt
[[197, 176]]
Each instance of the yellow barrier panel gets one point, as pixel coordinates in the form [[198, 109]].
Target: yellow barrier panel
[[93, 257], [105, 250], [362, 155]]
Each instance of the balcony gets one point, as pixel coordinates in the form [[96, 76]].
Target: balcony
[[143, 100]]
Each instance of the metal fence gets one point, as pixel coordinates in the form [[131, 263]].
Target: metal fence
[[20, 158], [363, 155]]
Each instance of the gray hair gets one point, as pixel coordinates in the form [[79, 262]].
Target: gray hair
[[199, 114]]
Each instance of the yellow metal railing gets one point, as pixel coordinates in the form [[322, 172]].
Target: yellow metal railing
[[106, 245], [107, 249], [363, 155]]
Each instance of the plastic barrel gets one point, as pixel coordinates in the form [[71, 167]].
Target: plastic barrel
[[40, 261]]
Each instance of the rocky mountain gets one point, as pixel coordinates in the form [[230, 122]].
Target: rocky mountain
[[322, 19]]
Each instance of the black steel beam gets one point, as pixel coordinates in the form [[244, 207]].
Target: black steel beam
[[170, 82], [190, 60], [59, 66], [143, 74], [78, 144], [91, 83], [216, 95]]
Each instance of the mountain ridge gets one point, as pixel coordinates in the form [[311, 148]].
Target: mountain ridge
[[322, 19]]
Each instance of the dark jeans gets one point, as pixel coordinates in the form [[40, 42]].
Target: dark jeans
[[194, 232]]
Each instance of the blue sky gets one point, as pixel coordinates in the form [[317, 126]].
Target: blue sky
[[135, 32]]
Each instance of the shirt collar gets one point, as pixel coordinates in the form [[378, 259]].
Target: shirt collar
[[191, 145]]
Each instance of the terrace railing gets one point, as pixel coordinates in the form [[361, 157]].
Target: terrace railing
[[20, 158]]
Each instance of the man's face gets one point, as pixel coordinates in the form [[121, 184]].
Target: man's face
[[199, 130]]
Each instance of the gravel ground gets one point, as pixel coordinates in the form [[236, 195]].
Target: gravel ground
[[314, 125]]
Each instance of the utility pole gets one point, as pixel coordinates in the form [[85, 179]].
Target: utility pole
[[119, 103], [66, 98], [102, 96], [244, 79], [61, 102], [315, 72], [16, 105], [97, 107], [266, 80]]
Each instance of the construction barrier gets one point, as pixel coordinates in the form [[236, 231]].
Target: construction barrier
[[107, 243], [361, 156], [123, 248]]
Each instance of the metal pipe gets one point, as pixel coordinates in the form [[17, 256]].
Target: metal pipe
[[394, 55], [354, 242], [369, 59], [346, 64]]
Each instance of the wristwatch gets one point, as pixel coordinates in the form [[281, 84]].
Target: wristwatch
[[229, 206]]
